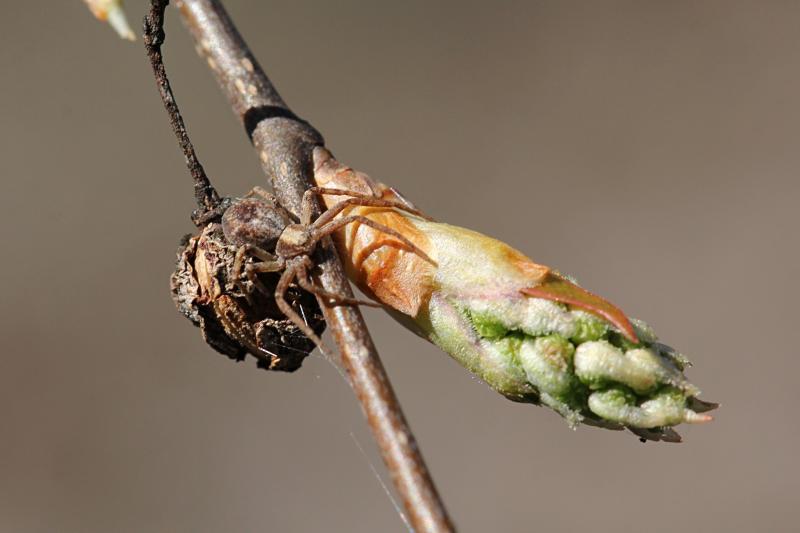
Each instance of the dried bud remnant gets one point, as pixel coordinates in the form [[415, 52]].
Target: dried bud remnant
[[231, 322]]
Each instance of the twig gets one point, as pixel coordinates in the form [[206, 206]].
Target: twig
[[284, 144], [204, 193]]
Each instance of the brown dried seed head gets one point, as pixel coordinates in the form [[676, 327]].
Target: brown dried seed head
[[203, 291]]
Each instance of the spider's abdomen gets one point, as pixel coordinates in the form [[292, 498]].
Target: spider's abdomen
[[255, 222]]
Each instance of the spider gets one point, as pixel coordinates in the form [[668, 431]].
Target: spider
[[257, 224]]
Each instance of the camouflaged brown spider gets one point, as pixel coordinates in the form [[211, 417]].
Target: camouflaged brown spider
[[257, 224]]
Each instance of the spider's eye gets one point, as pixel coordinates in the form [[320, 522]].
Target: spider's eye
[[255, 222]]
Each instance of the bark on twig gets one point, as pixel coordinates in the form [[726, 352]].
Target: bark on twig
[[285, 144], [204, 193]]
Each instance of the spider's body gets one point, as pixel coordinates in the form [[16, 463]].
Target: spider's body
[[265, 231], [255, 221], [295, 240]]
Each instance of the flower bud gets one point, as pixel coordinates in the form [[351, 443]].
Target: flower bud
[[111, 11], [531, 333]]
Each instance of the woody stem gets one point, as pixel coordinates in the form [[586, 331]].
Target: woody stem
[[205, 194], [285, 143]]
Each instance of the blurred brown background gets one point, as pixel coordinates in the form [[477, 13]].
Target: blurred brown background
[[648, 148]]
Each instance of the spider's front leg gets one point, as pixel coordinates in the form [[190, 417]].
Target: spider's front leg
[[356, 199], [267, 263], [327, 223], [304, 280], [332, 226], [289, 274], [262, 193]]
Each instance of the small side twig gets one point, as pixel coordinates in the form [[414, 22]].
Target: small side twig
[[206, 196], [285, 144]]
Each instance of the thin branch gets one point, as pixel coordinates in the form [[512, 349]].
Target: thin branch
[[285, 144], [205, 194]]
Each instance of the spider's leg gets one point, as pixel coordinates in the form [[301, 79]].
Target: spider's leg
[[267, 266], [239, 259], [269, 263], [264, 255], [252, 271], [307, 207], [238, 264], [252, 277], [357, 199], [400, 204], [262, 193], [331, 191], [337, 299], [308, 203], [334, 225], [236, 273], [280, 293]]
